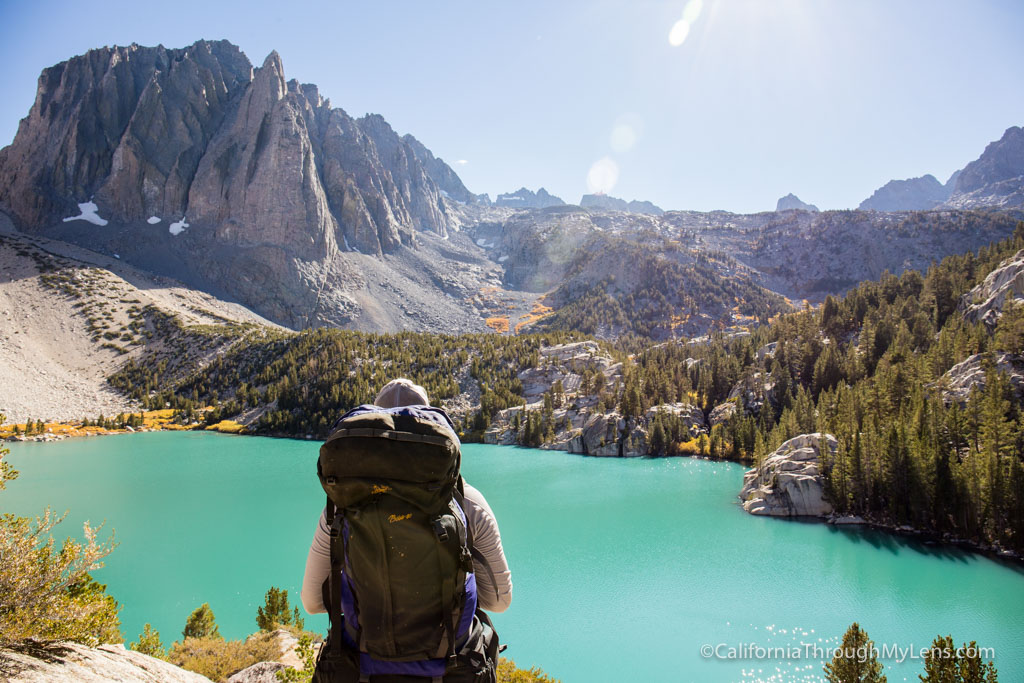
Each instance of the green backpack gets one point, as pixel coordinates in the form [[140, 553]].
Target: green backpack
[[401, 593]]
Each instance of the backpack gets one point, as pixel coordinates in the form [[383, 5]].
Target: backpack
[[401, 592]]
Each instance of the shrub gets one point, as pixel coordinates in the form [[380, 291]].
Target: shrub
[[47, 594], [149, 643], [306, 651], [509, 673], [217, 658]]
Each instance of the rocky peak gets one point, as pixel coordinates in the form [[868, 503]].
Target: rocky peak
[[996, 178], [912, 194], [791, 201], [603, 202], [441, 173], [126, 124], [526, 199], [269, 79], [273, 182]]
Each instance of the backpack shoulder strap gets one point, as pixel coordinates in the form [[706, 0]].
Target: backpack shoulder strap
[[334, 577]]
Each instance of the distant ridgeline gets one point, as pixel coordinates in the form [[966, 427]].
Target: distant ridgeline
[[918, 377]]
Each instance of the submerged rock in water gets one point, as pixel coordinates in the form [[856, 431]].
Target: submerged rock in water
[[788, 482]]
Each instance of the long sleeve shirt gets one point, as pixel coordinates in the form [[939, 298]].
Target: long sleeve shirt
[[493, 578]]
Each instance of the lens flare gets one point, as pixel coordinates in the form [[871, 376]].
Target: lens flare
[[677, 36], [681, 29], [623, 137], [602, 176], [692, 11]]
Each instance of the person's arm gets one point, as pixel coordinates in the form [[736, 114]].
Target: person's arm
[[493, 578], [318, 566]]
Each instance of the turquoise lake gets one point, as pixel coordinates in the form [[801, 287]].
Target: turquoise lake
[[622, 569]]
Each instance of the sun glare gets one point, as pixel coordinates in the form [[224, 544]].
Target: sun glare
[[603, 175], [681, 29]]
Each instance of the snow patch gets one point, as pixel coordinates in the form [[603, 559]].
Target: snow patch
[[480, 242], [178, 227], [502, 259], [153, 220], [88, 213], [444, 193]]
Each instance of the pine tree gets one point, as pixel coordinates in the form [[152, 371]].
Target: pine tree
[[201, 624], [944, 663], [856, 661], [277, 612], [149, 643]]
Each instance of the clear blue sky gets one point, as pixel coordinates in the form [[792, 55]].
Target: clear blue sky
[[758, 98]]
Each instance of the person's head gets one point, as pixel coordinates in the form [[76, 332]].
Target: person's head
[[401, 392]]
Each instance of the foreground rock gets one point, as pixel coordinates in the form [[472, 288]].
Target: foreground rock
[[788, 482], [75, 662], [263, 672]]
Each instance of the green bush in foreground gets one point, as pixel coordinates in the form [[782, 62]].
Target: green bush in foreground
[[306, 651], [47, 594], [149, 643], [216, 658], [509, 673]]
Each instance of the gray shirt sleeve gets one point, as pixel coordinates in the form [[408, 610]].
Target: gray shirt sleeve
[[318, 566], [493, 578]]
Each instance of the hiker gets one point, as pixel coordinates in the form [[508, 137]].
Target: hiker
[[403, 401]]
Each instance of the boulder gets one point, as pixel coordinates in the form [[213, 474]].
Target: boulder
[[262, 672], [600, 435], [788, 482], [722, 412], [693, 415], [1002, 286], [73, 662], [961, 378]]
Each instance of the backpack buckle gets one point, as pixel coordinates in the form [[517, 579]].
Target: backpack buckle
[[442, 533]]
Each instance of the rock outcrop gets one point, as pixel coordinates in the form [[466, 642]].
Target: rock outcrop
[[261, 672], [791, 201], [912, 194], [527, 199], [603, 202], [788, 482], [1003, 286], [75, 663], [959, 380], [996, 178], [264, 185]]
